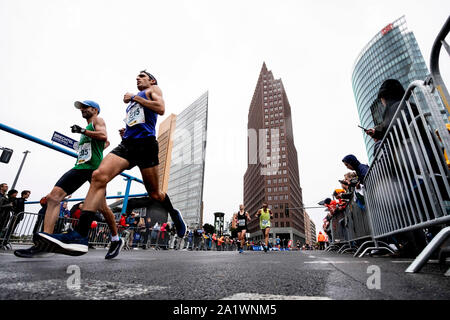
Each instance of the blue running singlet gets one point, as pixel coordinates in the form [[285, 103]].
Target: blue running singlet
[[140, 121]]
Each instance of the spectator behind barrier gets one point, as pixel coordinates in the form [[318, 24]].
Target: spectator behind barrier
[[390, 94], [352, 163]]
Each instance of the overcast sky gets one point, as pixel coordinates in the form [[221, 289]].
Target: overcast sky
[[55, 52]]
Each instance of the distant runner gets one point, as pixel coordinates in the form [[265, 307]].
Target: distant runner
[[241, 219], [265, 214]]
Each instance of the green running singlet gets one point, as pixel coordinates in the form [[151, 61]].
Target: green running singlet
[[90, 151], [264, 219]]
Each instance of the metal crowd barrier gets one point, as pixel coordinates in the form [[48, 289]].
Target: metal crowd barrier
[[407, 185], [350, 228]]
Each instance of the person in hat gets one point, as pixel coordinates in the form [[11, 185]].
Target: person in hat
[[93, 141]]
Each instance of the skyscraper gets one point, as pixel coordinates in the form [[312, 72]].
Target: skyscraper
[[188, 161], [272, 174], [165, 140], [392, 53]]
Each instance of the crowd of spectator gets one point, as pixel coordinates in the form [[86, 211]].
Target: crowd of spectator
[[11, 211], [352, 189]]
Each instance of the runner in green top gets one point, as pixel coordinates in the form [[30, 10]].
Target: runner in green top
[[90, 151], [265, 214], [90, 154]]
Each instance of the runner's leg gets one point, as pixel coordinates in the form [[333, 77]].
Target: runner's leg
[[54, 199], [151, 181], [266, 236], [111, 166], [109, 217], [242, 236]]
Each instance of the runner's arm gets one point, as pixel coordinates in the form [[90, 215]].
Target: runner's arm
[[155, 102], [100, 130], [248, 216], [107, 144]]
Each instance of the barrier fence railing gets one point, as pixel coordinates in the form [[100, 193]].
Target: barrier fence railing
[[407, 185], [349, 227]]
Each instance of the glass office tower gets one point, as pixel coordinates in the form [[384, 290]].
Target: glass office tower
[[188, 161], [393, 53]]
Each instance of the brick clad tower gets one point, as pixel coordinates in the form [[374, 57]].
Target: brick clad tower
[[272, 174]]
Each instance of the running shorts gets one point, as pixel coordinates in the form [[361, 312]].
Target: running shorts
[[73, 179], [139, 152]]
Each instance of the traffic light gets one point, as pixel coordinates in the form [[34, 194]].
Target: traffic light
[[6, 155]]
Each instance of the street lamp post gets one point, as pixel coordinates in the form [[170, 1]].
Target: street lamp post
[[20, 168]]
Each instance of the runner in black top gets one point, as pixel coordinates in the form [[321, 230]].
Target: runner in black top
[[240, 218]]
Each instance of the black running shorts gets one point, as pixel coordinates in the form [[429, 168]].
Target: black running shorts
[[74, 179], [139, 152]]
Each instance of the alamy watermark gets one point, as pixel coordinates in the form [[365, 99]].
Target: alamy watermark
[[263, 148], [374, 280], [74, 280]]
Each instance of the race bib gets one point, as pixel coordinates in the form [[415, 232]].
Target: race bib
[[265, 223], [241, 222], [84, 153], [135, 115]]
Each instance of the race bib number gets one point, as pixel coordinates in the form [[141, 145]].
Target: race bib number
[[84, 153], [135, 115], [241, 222], [265, 223]]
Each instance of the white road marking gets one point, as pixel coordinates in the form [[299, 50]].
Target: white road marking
[[90, 289], [411, 261], [313, 257], [447, 274], [257, 296], [335, 262]]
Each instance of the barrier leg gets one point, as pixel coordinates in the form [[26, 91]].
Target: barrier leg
[[343, 247], [375, 248], [361, 247], [423, 257]]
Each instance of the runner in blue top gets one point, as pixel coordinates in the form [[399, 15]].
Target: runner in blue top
[[138, 148]]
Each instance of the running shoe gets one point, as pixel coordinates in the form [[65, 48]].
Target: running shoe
[[115, 248], [69, 243], [241, 250], [32, 252], [180, 225], [265, 248]]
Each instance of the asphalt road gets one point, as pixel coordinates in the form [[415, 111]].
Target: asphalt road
[[212, 275]]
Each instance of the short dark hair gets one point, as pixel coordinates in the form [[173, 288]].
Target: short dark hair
[[149, 75], [11, 192], [24, 192]]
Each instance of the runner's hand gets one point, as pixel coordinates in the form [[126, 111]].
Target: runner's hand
[[127, 97], [121, 132], [77, 129]]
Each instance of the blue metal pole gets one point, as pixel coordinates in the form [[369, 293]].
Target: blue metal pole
[[109, 197], [127, 194], [51, 146]]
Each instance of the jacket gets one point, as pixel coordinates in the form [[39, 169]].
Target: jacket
[[360, 169]]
